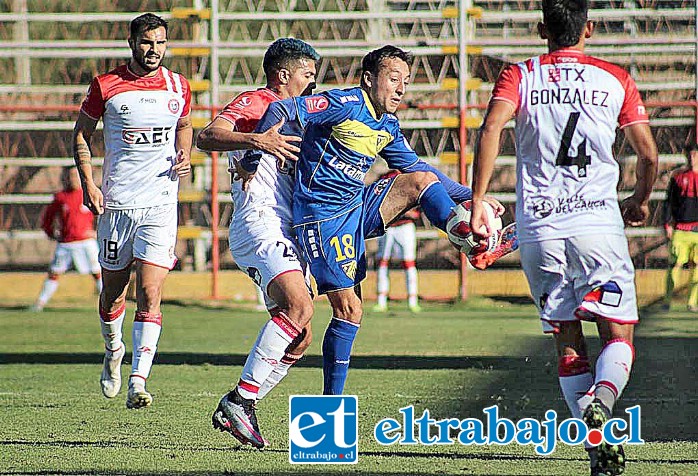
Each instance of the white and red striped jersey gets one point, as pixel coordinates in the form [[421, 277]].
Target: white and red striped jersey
[[271, 189], [140, 117], [568, 106]]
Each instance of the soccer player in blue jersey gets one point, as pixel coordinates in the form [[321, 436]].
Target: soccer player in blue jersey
[[333, 211]]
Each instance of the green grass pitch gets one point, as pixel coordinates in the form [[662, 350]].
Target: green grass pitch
[[454, 360]]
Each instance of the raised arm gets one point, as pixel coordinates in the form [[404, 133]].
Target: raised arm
[[278, 120], [82, 135], [232, 130]]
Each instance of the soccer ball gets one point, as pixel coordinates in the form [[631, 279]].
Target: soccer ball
[[460, 234]]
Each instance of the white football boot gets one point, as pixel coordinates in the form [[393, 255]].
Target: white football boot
[[110, 380], [138, 396]]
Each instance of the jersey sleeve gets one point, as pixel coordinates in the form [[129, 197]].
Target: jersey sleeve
[[398, 152], [326, 108], [186, 94], [633, 110], [244, 111], [507, 86], [93, 104]]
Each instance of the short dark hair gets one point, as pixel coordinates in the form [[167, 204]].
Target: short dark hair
[[565, 20], [372, 61], [146, 22], [284, 51]]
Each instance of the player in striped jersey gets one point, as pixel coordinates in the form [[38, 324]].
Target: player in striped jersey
[[567, 107], [147, 141], [681, 225]]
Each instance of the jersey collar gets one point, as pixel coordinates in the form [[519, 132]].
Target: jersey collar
[[276, 95], [156, 75], [367, 100], [567, 51]]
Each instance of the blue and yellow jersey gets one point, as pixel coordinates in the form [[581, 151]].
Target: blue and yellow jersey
[[342, 137]]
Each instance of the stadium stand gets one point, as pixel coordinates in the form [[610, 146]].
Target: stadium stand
[[51, 49]]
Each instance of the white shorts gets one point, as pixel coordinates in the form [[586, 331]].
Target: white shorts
[[582, 277], [83, 255], [265, 253], [399, 242], [145, 234]]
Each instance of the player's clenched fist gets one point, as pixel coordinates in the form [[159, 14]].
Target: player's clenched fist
[[635, 213], [182, 166], [92, 198]]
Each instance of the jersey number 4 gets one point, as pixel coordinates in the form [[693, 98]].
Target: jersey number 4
[[581, 160]]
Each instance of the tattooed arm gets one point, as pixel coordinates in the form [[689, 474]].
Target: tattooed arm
[[82, 133]]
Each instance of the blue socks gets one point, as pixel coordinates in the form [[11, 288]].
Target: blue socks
[[336, 351], [436, 204]]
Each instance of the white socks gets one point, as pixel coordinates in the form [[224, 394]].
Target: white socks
[[111, 323], [146, 333], [49, 287], [411, 277], [279, 372], [613, 370], [575, 379], [267, 353]]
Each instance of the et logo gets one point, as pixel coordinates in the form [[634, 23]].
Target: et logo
[[323, 429]]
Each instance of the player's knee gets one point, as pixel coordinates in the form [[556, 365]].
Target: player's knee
[[300, 310], [424, 179], [349, 311], [150, 294], [112, 295], [110, 303], [418, 181], [414, 183]]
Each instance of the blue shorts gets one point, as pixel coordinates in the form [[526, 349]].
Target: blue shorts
[[335, 247]]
